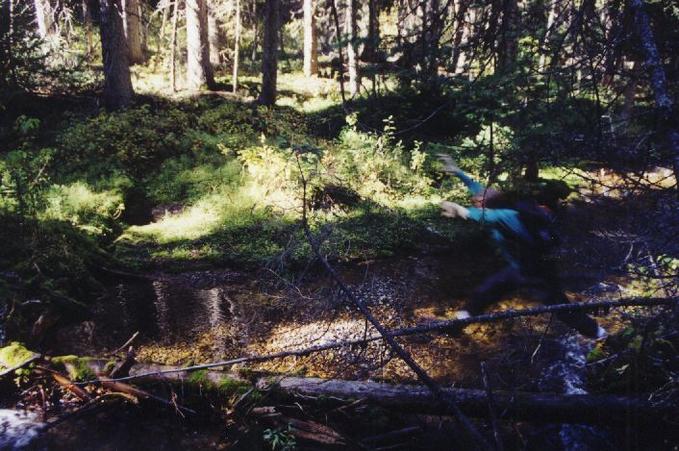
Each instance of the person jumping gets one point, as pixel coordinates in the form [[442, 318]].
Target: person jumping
[[521, 232]]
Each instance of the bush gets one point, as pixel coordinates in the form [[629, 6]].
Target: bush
[[132, 142]]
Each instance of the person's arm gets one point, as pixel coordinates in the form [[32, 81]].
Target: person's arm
[[450, 167]]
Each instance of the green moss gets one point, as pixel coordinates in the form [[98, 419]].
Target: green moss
[[78, 368], [230, 386], [14, 354]]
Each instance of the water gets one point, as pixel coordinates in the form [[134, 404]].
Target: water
[[18, 429], [568, 372]]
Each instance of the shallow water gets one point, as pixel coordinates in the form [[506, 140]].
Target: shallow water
[[205, 316]]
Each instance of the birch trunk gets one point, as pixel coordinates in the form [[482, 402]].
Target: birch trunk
[[310, 39], [350, 29], [236, 49]]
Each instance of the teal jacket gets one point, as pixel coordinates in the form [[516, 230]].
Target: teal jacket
[[504, 223]]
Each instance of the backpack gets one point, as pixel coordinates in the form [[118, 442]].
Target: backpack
[[540, 223]]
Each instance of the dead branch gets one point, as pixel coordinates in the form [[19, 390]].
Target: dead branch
[[126, 345], [491, 408]]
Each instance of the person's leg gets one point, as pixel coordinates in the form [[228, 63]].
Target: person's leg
[[549, 292], [492, 289]]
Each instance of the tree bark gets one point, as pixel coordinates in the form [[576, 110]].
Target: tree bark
[[173, 46], [663, 101], [236, 48], [509, 35], [213, 34], [270, 53], [198, 68], [118, 90], [351, 31], [133, 31], [310, 39], [373, 40], [431, 36]]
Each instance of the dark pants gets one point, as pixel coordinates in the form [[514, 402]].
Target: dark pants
[[542, 279]]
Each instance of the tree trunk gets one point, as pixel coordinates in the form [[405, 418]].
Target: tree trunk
[[350, 29], [459, 34], [431, 35], [372, 42], [87, 24], [118, 90], [198, 68], [44, 18], [544, 47], [663, 101], [236, 48], [338, 33], [310, 39], [509, 35], [255, 33], [173, 46], [133, 32], [213, 34], [270, 53]]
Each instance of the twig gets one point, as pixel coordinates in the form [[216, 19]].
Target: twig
[[126, 345], [491, 407]]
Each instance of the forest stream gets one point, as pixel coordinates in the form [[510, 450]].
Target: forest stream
[[212, 315]]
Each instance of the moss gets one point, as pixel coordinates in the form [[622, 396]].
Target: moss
[[14, 354], [230, 386], [226, 385], [78, 368]]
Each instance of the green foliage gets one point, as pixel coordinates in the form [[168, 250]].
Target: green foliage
[[77, 203], [182, 179], [23, 170], [280, 438], [78, 368], [131, 142], [377, 165]]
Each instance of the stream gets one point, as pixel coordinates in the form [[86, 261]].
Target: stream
[[202, 316]]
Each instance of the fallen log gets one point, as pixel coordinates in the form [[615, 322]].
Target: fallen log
[[521, 406], [516, 406]]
